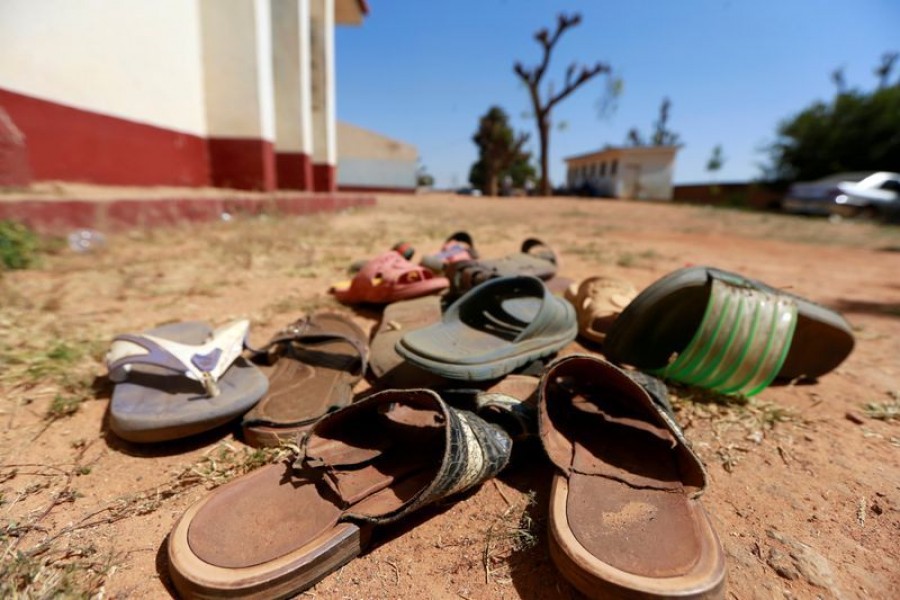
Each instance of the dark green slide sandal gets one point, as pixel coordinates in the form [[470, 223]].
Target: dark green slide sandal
[[724, 332], [496, 327]]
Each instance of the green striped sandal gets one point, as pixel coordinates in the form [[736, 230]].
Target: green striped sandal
[[723, 332]]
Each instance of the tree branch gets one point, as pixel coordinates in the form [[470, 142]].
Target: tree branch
[[586, 75]]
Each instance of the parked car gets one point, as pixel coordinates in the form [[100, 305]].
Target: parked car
[[817, 197], [468, 191], [876, 196]]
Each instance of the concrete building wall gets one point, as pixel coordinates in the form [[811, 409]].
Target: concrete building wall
[[174, 92], [123, 58], [368, 160], [237, 50], [239, 84], [293, 114], [108, 91], [323, 90], [639, 173], [375, 173], [646, 177]]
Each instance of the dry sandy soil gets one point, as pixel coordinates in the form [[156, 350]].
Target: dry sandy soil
[[804, 479]]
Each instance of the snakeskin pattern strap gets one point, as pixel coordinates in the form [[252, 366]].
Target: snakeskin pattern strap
[[473, 450]]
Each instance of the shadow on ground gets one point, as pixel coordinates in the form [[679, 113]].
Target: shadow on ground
[[887, 309]]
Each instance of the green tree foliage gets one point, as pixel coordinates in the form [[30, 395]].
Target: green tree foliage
[[856, 131], [500, 153], [661, 136], [716, 160], [423, 177]]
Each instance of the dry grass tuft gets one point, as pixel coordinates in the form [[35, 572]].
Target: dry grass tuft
[[60, 563], [512, 531], [885, 411]]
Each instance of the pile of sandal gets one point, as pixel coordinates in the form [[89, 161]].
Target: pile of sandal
[[456, 381]]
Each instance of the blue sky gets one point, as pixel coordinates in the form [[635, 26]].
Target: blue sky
[[423, 71]]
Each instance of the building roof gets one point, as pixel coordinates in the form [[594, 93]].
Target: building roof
[[614, 151], [350, 12], [356, 142]]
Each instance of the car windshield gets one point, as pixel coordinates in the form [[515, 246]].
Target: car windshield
[[877, 180]]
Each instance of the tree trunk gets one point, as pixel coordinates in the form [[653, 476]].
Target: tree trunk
[[492, 185], [544, 134]]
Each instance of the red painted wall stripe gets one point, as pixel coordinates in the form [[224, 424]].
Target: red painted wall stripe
[[294, 171], [78, 145], [374, 189], [242, 164], [324, 178]]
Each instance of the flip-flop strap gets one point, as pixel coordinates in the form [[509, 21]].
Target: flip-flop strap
[[308, 332], [741, 344], [205, 363]]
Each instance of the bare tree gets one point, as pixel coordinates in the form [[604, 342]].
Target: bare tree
[[575, 77]]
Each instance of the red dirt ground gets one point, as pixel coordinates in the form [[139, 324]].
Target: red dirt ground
[[804, 486]]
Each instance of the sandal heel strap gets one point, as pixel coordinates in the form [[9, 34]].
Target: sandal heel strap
[[741, 344]]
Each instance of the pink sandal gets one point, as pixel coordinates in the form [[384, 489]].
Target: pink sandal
[[388, 278]]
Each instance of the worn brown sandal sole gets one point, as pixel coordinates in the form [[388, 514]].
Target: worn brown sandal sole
[[625, 517], [318, 360], [280, 529]]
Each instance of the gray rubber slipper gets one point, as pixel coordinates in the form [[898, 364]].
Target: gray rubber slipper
[[722, 331], [535, 258], [493, 329], [154, 401]]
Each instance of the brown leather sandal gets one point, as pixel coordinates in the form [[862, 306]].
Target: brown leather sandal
[[625, 515], [278, 530], [315, 363]]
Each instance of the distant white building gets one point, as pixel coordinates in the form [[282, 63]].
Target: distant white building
[[642, 172], [371, 162]]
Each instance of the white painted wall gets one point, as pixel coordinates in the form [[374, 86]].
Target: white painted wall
[[237, 59], [655, 181], [305, 77], [324, 128], [654, 170], [291, 66], [130, 59]]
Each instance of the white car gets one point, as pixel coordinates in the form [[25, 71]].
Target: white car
[[878, 195]]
